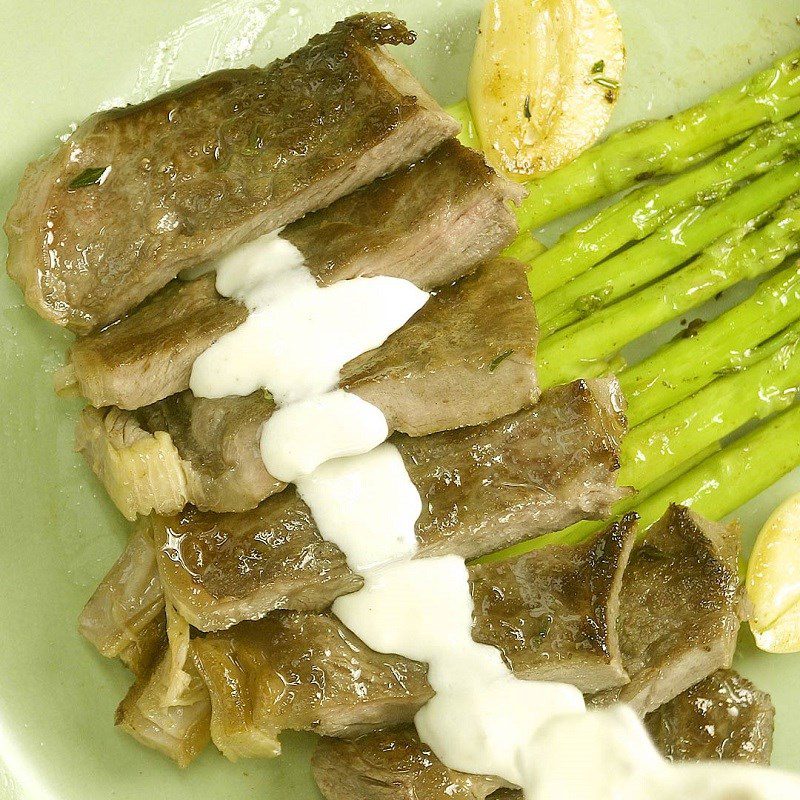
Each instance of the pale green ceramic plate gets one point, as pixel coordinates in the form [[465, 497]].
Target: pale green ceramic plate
[[59, 61]]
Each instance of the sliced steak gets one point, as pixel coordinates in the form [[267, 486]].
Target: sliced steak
[[339, 687], [686, 562], [679, 614], [722, 717], [392, 765], [124, 616], [139, 193], [429, 223], [179, 729], [451, 365], [482, 489], [300, 672], [553, 612]]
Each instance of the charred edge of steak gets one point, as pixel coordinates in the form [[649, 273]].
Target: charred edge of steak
[[553, 612], [680, 608], [723, 717]]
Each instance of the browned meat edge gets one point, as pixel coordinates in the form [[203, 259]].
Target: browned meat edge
[[198, 170], [429, 223], [482, 488]]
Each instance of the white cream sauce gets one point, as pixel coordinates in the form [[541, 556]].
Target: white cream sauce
[[537, 735], [297, 335], [302, 436], [348, 495]]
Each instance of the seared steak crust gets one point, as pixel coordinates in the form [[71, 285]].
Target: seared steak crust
[[450, 366], [722, 717], [139, 193], [679, 613], [482, 489], [553, 612], [429, 223]]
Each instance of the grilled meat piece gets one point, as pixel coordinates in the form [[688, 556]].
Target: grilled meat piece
[[482, 489], [307, 672], [137, 194], [677, 586], [299, 671], [679, 614], [430, 223], [178, 727], [722, 717], [392, 765], [451, 365], [125, 615], [553, 612]]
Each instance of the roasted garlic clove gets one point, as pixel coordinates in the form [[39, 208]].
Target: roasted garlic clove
[[545, 77], [773, 581]]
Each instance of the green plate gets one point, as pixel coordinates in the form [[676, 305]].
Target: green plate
[[61, 60]]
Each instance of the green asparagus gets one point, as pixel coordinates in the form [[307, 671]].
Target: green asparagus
[[642, 212], [665, 146], [681, 238], [736, 257], [468, 136], [736, 474], [670, 438], [728, 342]]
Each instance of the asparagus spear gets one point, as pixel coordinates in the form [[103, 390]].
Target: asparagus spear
[[666, 146], [736, 257], [642, 212], [670, 438], [739, 472], [679, 239], [728, 342]]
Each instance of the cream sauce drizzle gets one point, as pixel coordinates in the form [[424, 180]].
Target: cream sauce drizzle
[[302, 436], [298, 335], [536, 735]]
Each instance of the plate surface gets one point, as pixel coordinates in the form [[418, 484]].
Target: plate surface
[[59, 61]]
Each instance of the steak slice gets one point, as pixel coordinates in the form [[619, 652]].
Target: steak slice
[[429, 223], [451, 365], [392, 765], [125, 615], [553, 612], [299, 671], [340, 687], [722, 717], [178, 728], [138, 194], [679, 615], [482, 489]]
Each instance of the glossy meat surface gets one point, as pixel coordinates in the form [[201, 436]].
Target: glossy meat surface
[[299, 672], [482, 489], [139, 193], [391, 765], [723, 717], [451, 365], [308, 672], [553, 612], [429, 223], [679, 613]]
